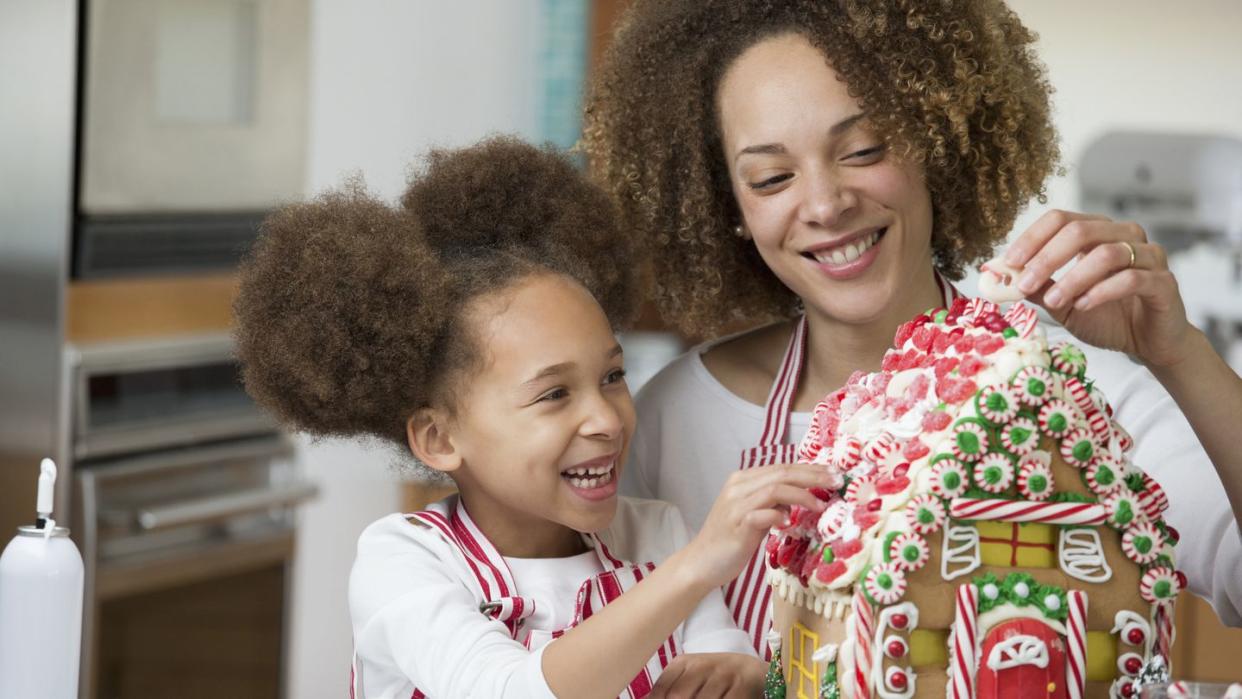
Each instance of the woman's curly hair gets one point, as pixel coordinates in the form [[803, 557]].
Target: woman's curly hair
[[954, 86], [352, 313]]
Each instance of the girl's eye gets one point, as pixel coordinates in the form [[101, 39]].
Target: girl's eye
[[770, 182], [868, 154], [553, 395], [615, 376]]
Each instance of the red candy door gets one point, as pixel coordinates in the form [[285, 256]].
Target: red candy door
[[1022, 659]]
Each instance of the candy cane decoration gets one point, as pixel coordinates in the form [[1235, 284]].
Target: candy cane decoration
[[965, 645], [1076, 644], [1000, 510], [1164, 632], [863, 631]]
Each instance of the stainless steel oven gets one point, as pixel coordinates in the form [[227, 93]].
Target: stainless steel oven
[[185, 502]]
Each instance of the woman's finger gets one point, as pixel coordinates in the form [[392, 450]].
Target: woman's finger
[[1153, 286], [781, 494], [1076, 238], [1032, 240], [1097, 265], [744, 483]]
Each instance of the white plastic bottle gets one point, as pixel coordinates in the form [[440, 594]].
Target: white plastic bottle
[[40, 606]]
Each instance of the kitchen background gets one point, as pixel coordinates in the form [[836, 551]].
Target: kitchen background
[[386, 79]]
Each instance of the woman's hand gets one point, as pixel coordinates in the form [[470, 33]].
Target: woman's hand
[[711, 676], [1118, 295], [752, 501]]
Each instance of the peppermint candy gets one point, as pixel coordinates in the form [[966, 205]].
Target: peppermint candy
[[847, 452], [1159, 585], [1020, 436], [925, 513], [1142, 542], [970, 440], [885, 583], [1022, 318], [1035, 479], [994, 473], [1068, 359], [1035, 385], [852, 490], [908, 551], [1099, 424], [1078, 447], [1122, 508], [1124, 440], [997, 404], [1104, 476], [879, 448], [1057, 418], [1078, 394], [949, 478], [1153, 498]]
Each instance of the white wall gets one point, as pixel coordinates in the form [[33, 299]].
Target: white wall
[[389, 79]]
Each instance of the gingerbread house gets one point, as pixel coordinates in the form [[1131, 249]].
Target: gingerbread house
[[991, 537]]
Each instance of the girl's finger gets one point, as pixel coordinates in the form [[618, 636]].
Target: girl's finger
[[1097, 265], [764, 520], [781, 494], [1075, 238], [1032, 240], [745, 483]]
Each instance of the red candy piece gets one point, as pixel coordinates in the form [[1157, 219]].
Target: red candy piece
[[1182, 582], [896, 648], [957, 308], [900, 470], [1135, 637], [827, 572], [865, 520], [1127, 689], [891, 485], [990, 343], [899, 680], [915, 449], [942, 342], [904, 331], [918, 387], [874, 505], [789, 550], [936, 420], [971, 365], [944, 365], [821, 493], [924, 336], [899, 621], [813, 559], [964, 345], [842, 550], [1133, 665], [890, 361], [955, 389]]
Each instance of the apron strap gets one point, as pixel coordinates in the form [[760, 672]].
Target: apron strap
[[776, 412]]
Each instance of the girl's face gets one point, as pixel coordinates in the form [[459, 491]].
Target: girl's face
[[544, 427], [839, 219]]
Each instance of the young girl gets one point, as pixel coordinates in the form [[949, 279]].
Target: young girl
[[463, 328]]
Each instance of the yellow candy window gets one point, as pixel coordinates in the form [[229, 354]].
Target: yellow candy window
[[803, 670], [1017, 545], [1101, 656], [929, 648]]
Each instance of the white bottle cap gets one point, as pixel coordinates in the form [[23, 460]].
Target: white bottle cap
[[47, 487]]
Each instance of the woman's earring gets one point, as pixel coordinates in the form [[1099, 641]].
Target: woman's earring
[[740, 231]]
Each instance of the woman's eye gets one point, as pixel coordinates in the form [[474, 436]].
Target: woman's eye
[[871, 154], [615, 376], [770, 182]]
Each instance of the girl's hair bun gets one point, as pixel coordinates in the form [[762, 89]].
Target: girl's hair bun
[[337, 297]]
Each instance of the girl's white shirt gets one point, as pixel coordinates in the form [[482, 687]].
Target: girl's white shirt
[[415, 607], [691, 429]]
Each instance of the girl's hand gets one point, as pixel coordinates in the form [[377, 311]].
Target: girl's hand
[[752, 502], [711, 676], [1119, 294]]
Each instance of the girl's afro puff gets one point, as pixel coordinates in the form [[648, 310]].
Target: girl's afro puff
[[352, 314]]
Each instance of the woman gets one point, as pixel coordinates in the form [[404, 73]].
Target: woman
[[822, 167]]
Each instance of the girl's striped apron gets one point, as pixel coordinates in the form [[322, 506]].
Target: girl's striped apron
[[749, 596], [500, 599]]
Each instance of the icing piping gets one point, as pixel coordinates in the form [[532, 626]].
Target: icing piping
[[1081, 555], [964, 551]]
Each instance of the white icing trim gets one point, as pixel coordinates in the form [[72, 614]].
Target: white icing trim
[[965, 549], [1121, 662], [1018, 650], [774, 641], [825, 653], [1081, 555]]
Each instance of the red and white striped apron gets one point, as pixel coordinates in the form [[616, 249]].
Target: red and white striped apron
[[749, 596], [500, 599]]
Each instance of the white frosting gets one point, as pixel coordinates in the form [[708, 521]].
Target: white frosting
[[1081, 555], [1018, 650], [959, 547], [998, 282]]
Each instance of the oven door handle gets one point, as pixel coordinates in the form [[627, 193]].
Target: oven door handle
[[223, 507]]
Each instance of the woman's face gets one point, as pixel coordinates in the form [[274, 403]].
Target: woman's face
[[839, 219]]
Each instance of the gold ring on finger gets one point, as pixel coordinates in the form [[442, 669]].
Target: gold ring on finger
[[1130, 247]]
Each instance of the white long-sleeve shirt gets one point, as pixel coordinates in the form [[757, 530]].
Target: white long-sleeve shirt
[[415, 608], [691, 430]]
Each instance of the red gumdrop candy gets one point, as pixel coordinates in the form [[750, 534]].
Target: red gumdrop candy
[[900, 470], [944, 365], [865, 520], [812, 560], [936, 420], [890, 485], [842, 550], [821, 493], [959, 305], [920, 319], [964, 344], [890, 361], [942, 342], [956, 390], [971, 365], [904, 331], [916, 449], [790, 549], [924, 336], [989, 344], [1182, 582], [827, 572], [917, 388]]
